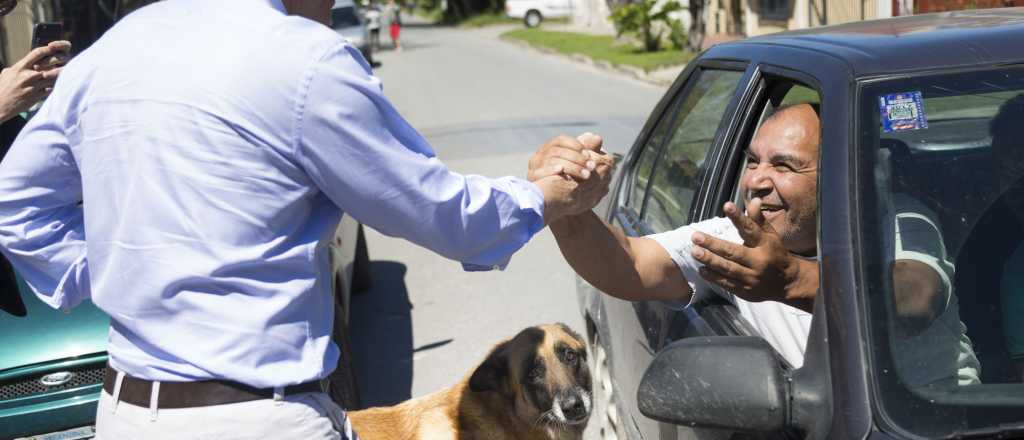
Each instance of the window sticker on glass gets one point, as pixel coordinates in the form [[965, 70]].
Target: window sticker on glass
[[902, 112]]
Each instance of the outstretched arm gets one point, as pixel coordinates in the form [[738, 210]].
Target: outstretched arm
[[633, 269], [359, 151]]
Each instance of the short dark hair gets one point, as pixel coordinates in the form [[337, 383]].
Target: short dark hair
[[784, 108]]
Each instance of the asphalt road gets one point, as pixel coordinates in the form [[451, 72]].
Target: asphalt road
[[485, 106]]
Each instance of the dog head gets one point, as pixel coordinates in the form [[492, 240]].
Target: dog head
[[543, 371]]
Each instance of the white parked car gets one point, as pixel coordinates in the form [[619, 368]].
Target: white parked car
[[347, 20], [533, 12]]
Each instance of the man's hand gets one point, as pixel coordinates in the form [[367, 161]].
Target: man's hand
[[30, 79], [563, 155], [573, 174], [760, 269]]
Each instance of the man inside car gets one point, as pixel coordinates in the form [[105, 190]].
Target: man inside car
[[765, 261]]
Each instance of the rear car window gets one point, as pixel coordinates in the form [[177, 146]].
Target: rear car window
[[942, 160]]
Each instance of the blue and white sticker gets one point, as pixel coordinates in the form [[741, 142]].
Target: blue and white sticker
[[902, 112]]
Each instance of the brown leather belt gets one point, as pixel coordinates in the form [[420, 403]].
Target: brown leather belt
[[194, 394]]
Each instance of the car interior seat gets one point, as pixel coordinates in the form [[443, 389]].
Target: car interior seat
[[980, 251], [979, 270]]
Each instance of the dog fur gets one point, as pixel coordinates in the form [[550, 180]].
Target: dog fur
[[535, 386]]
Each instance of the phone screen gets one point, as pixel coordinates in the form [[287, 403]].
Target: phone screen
[[45, 33]]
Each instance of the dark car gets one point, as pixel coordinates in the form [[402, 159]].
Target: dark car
[[929, 108]]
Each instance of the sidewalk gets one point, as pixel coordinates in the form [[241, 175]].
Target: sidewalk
[[661, 77]]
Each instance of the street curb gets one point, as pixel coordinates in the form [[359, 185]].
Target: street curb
[[628, 71]]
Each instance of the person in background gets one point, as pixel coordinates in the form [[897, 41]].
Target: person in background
[[394, 16], [373, 24], [22, 85], [26, 82]]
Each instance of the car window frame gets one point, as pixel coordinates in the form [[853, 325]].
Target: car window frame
[[711, 152], [756, 98], [626, 217], [693, 319]]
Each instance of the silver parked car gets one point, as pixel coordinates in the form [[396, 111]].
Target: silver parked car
[[347, 19]]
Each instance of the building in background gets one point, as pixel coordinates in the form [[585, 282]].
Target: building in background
[[726, 20], [747, 18]]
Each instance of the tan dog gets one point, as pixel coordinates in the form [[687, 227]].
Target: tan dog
[[533, 386]]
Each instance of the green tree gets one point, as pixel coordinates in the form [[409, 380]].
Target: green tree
[[641, 19]]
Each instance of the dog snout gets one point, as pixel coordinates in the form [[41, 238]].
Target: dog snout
[[574, 408]]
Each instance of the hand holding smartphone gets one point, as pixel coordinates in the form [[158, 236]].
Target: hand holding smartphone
[[42, 35]]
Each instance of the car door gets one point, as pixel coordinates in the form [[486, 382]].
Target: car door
[[657, 194], [770, 89]]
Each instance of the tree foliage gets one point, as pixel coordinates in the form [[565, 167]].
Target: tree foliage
[[642, 18]]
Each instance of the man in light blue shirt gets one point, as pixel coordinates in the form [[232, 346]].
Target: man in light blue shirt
[[187, 173]]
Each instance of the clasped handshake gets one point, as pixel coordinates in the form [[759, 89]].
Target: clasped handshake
[[573, 174]]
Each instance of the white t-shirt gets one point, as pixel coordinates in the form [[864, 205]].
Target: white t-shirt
[[784, 327], [372, 18], [939, 354]]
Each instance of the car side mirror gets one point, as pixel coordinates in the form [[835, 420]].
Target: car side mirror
[[732, 382]]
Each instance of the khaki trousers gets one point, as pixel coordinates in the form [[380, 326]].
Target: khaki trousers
[[307, 416]]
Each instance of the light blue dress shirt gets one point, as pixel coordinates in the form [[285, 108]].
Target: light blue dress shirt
[[189, 170]]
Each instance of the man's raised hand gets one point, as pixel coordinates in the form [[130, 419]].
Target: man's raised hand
[[561, 155], [573, 174], [30, 79], [760, 269]]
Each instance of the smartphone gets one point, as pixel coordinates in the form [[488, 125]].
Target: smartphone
[[45, 33]]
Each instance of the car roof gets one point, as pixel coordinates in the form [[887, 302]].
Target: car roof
[[934, 41]]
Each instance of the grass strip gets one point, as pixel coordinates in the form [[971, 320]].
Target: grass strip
[[600, 47]]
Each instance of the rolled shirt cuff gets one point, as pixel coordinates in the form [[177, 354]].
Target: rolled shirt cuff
[[530, 200]]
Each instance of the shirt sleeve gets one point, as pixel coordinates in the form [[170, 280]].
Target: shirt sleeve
[[679, 245], [374, 166], [41, 220], [919, 238]]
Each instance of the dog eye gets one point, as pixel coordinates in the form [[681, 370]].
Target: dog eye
[[570, 356], [535, 373]]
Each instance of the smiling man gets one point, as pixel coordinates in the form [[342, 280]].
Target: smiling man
[[774, 288], [764, 260]]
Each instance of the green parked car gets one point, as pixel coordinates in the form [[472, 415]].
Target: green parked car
[[51, 364]]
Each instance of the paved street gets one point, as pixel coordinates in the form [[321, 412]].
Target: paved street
[[485, 106]]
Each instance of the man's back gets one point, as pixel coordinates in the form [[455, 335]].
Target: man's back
[[182, 119], [206, 150]]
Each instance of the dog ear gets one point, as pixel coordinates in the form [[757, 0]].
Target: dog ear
[[492, 372]]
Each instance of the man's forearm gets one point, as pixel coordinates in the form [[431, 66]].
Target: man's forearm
[[605, 257]]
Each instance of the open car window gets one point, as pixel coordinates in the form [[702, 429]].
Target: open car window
[[680, 168], [942, 160]]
